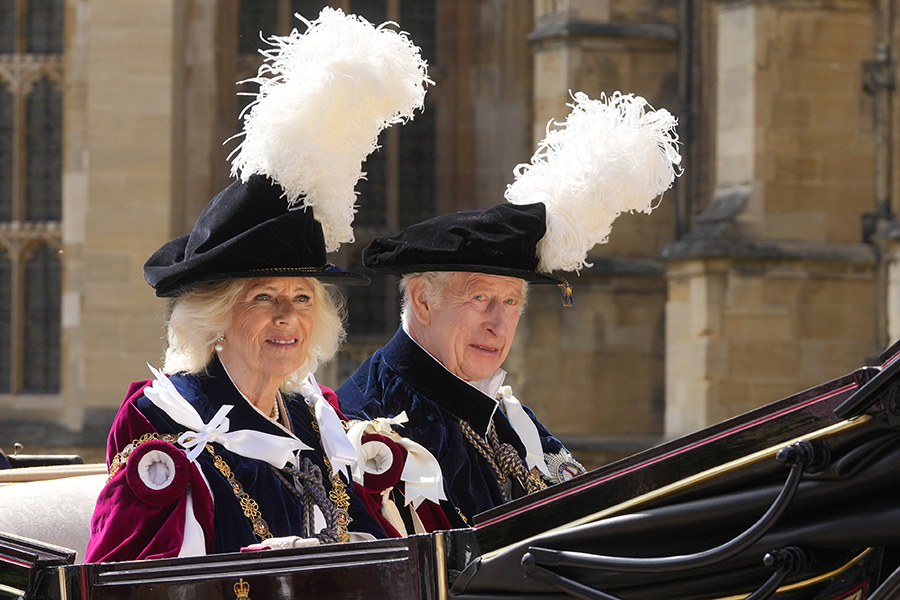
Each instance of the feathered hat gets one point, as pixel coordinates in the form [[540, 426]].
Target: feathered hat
[[609, 156], [324, 96]]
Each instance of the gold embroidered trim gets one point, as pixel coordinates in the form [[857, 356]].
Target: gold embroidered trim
[[248, 505], [121, 458], [327, 268]]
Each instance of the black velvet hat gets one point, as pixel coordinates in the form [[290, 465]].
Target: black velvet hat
[[315, 119], [247, 230], [611, 156], [501, 240]]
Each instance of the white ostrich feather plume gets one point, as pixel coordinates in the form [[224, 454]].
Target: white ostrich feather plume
[[611, 155], [324, 97]]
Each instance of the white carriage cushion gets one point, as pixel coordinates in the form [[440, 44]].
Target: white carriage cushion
[[55, 511]]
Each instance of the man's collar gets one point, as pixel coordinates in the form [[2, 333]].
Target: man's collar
[[488, 386], [491, 385], [434, 381]]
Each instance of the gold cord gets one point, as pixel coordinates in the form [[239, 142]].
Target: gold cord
[[248, 505]]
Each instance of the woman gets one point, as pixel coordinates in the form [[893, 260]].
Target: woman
[[238, 447]]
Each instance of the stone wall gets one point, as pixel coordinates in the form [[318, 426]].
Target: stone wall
[[770, 290], [773, 290], [117, 195], [742, 332], [594, 372], [793, 122], [140, 160]]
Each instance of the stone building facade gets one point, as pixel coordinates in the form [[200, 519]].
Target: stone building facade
[[775, 288], [769, 267]]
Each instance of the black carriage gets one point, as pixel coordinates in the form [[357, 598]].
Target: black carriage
[[797, 499]]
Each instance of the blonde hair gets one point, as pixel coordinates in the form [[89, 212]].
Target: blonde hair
[[198, 318], [435, 285]]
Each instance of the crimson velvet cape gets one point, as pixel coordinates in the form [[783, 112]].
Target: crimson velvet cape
[[400, 377], [128, 525]]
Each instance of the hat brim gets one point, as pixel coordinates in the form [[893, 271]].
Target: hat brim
[[529, 276], [336, 277]]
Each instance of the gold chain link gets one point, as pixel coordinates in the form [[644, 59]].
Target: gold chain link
[[248, 505]]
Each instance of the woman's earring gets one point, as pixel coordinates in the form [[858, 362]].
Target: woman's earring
[[219, 340]]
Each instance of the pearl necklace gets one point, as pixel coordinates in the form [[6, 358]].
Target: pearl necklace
[[275, 414]]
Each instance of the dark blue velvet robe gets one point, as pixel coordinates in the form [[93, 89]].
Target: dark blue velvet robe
[[280, 508], [401, 376]]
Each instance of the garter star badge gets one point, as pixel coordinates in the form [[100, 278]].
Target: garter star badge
[[563, 466]]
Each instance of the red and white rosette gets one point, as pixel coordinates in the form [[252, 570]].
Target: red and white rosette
[[157, 472], [421, 474], [384, 461]]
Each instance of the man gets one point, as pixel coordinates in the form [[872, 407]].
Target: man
[[465, 284]]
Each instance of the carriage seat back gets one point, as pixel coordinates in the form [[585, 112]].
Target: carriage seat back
[[53, 511]]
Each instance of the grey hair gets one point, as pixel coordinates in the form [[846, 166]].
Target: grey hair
[[435, 286], [198, 318]]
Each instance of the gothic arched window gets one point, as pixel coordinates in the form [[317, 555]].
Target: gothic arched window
[[43, 152], [400, 177], [5, 322], [6, 152], [41, 335], [31, 130]]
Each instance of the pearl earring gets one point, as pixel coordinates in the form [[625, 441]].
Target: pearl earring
[[219, 340]]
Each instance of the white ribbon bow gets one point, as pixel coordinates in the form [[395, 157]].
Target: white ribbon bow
[[422, 471], [334, 439], [274, 449], [525, 428]]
